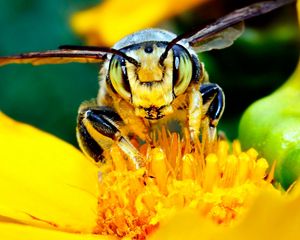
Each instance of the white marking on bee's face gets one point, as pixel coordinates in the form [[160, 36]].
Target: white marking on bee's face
[[151, 84]]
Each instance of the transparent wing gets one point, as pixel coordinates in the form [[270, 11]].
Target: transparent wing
[[221, 39], [224, 31], [56, 57]]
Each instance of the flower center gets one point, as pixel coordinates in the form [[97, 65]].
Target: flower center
[[208, 178]]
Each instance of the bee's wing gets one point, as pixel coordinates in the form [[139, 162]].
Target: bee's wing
[[225, 30], [56, 57], [220, 39]]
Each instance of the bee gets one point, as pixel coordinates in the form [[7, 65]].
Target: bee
[[148, 78]]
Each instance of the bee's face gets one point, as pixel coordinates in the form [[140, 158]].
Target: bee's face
[[152, 86]]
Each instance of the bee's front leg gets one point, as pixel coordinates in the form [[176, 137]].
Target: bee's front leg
[[194, 112], [98, 128], [213, 106], [206, 106]]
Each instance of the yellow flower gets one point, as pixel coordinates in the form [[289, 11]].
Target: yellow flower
[[111, 20], [49, 190]]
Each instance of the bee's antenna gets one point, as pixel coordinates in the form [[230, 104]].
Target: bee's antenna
[[101, 49]]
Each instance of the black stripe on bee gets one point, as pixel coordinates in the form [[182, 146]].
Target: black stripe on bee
[[161, 44], [132, 47], [119, 62], [212, 92], [124, 74], [89, 144], [197, 69], [109, 84], [102, 121]]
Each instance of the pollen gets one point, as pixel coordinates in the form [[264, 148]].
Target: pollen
[[217, 180]]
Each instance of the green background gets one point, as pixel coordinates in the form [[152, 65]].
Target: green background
[[48, 96]]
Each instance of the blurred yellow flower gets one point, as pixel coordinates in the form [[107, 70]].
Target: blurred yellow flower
[[111, 20], [49, 190]]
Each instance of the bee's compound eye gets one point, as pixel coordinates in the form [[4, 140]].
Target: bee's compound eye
[[182, 69], [118, 76]]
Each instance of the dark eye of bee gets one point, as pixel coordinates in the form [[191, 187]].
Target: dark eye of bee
[[182, 69], [118, 76]]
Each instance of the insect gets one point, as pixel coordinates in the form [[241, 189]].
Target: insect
[[147, 79]]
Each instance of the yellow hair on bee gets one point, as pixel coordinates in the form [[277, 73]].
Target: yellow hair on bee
[[151, 84]]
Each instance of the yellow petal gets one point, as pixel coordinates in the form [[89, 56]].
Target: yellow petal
[[45, 181], [10, 231], [108, 22], [272, 216], [186, 225]]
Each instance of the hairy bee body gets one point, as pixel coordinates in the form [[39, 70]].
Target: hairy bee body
[[148, 95]]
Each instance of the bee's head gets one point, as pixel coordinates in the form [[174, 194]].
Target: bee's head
[[151, 85]]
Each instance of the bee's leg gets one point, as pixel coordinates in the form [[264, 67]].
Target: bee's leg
[[98, 128], [194, 113], [213, 101]]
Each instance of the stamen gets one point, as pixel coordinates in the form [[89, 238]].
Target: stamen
[[188, 167], [178, 174], [158, 168], [211, 172]]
